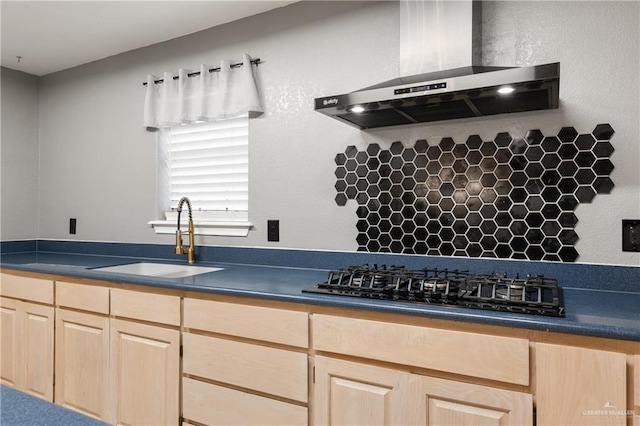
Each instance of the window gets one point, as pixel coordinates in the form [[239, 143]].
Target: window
[[208, 163]]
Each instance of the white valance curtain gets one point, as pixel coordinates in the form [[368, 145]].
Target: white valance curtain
[[210, 96]]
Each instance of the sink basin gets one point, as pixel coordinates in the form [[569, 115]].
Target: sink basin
[[165, 270]]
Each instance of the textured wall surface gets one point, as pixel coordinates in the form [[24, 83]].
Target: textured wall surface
[[19, 156], [98, 164], [103, 170]]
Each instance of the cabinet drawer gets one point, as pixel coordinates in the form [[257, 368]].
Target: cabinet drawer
[[26, 288], [443, 350], [158, 308], [84, 297], [253, 322], [269, 370], [216, 405]]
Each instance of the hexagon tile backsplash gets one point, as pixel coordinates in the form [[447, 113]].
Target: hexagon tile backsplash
[[505, 198]]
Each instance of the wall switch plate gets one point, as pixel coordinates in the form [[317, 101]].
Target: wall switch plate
[[631, 235], [273, 230], [72, 225]]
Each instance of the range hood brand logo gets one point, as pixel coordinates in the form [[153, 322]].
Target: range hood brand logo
[[330, 101]]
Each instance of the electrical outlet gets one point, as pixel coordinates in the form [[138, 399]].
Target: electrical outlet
[[273, 230], [631, 235], [72, 225]]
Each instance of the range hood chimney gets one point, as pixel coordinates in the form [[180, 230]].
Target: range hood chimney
[[441, 74]]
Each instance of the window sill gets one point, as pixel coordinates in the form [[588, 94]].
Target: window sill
[[205, 227]]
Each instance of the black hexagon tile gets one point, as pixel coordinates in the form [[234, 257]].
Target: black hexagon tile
[[510, 197]]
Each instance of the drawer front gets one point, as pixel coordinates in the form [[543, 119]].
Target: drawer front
[[215, 405], [274, 371], [26, 288], [443, 350], [158, 308], [253, 322], [84, 297]]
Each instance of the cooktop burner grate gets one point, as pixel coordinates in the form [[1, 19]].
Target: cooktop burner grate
[[532, 295]]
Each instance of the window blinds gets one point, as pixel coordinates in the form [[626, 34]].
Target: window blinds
[[208, 162]]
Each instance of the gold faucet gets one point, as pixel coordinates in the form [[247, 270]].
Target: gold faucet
[[180, 249]]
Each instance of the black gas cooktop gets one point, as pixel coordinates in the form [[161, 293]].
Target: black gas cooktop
[[537, 295]]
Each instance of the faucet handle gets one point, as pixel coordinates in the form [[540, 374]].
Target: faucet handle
[[179, 242]]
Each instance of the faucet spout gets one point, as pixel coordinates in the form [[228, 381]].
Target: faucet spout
[[180, 248]]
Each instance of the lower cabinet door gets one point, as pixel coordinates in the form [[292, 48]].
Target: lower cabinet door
[[37, 350], [27, 347], [214, 405], [452, 403], [348, 393], [636, 390], [145, 373], [10, 345], [580, 386], [82, 363]]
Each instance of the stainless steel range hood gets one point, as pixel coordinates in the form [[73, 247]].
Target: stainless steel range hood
[[447, 94], [460, 93]]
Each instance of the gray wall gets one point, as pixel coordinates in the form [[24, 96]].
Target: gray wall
[[98, 164], [19, 156]]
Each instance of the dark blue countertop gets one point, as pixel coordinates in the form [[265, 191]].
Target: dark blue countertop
[[19, 409], [590, 312]]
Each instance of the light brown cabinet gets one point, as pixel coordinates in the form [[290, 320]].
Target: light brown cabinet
[[144, 357], [10, 346], [218, 405], [37, 350], [451, 403], [27, 328], [450, 351], [145, 373], [82, 349], [246, 362], [82, 363], [636, 390], [249, 362], [118, 369], [580, 386], [350, 392]]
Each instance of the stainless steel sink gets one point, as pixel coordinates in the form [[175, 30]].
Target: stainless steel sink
[[165, 270]]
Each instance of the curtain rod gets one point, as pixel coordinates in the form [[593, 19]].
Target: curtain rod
[[192, 74]]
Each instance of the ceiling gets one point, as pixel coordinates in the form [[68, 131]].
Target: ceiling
[[41, 37]]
